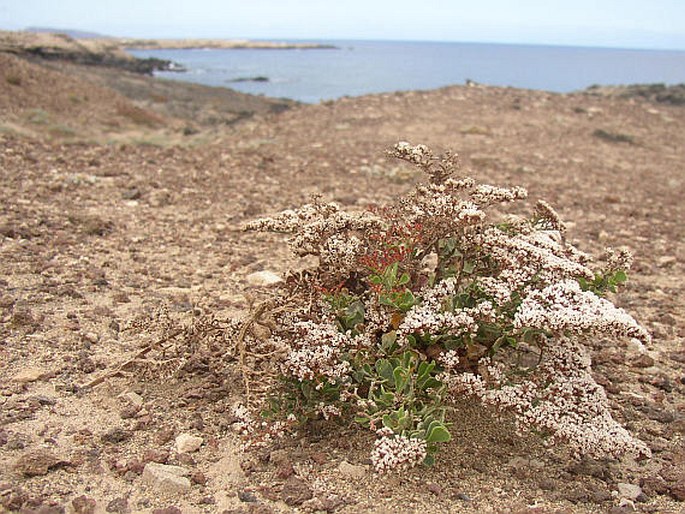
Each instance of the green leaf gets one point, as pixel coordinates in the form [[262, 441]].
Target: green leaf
[[428, 460], [401, 378], [438, 434], [388, 341], [385, 370], [404, 279], [620, 277]]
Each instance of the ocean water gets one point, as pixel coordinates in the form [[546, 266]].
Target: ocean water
[[360, 67]]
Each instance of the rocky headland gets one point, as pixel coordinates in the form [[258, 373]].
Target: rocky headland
[[111, 51]]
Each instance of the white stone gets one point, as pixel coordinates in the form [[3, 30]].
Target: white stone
[[263, 278], [629, 491], [186, 443], [133, 398], [165, 478], [91, 337], [351, 470]]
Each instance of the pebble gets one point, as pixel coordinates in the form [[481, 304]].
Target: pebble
[[666, 261], [165, 478], [29, 375], [91, 337], [643, 361], [247, 496], [116, 435], [434, 488], [629, 491], [263, 278], [83, 505], [118, 505], [351, 470], [133, 398], [198, 477], [37, 463], [186, 443], [295, 492]]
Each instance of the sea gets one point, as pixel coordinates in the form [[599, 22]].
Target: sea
[[356, 68]]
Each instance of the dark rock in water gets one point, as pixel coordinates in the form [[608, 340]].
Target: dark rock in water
[[250, 79]]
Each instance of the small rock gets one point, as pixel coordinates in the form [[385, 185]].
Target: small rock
[[83, 505], [165, 478], [186, 443], [653, 485], [629, 491], [198, 477], [434, 488], [132, 193], [285, 470], [91, 337], [129, 411], [677, 490], [159, 456], [164, 436], [263, 278], [29, 375], [185, 459], [319, 457], [133, 399], [547, 484], [600, 496], [118, 506], [247, 496], [463, 497], [295, 492], [351, 470], [643, 361], [37, 463], [116, 435], [666, 261]]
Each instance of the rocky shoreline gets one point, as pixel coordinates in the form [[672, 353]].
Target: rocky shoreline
[[112, 52]]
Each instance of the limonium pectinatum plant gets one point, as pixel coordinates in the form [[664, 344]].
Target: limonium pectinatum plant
[[436, 297]]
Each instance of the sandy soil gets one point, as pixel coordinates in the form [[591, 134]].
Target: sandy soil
[[94, 237]]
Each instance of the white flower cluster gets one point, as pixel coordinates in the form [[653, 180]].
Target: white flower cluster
[[485, 194], [539, 255], [449, 359], [392, 452], [618, 258], [564, 308], [259, 433], [322, 229], [436, 203], [560, 399], [548, 218], [316, 351], [419, 154]]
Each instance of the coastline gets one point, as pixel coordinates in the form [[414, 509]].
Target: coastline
[[113, 51]]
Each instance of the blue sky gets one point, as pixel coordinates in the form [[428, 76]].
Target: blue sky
[[611, 23]]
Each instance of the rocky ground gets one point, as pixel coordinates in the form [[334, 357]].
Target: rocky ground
[[118, 231]]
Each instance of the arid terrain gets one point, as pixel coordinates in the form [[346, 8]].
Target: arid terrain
[[121, 205]]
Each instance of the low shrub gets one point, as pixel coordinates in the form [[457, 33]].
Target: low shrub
[[435, 297]]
